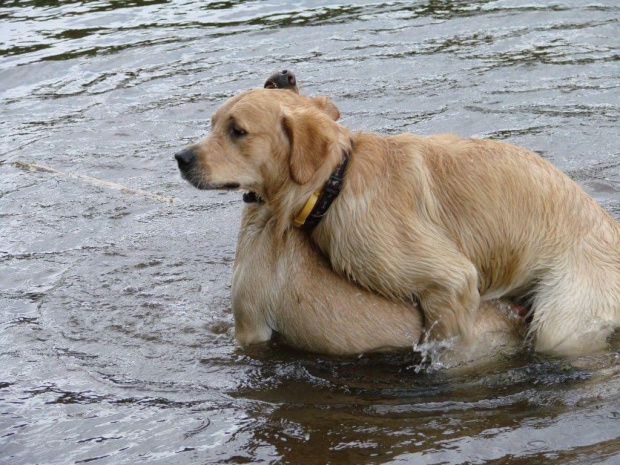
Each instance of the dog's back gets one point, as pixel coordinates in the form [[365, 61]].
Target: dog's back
[[283, 284], [450, 203]]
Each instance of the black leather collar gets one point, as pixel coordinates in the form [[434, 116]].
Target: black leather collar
[[326, 196], [252, 197]]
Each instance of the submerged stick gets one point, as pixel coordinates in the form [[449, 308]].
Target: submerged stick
[[90, 179]]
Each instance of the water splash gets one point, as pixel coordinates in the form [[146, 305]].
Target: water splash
[[435, 355]]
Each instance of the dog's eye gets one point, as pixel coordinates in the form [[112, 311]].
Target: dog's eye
[[236, 131]]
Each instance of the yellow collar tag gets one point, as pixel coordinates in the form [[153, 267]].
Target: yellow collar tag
[[305, 212]]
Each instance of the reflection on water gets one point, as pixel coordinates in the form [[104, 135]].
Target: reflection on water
[[116, 331]]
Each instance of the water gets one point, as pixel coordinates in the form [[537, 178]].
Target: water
[[116, 341]]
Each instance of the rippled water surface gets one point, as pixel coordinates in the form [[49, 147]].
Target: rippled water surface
[[116, 339]]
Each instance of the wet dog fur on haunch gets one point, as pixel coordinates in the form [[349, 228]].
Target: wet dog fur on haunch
[[439, 220]]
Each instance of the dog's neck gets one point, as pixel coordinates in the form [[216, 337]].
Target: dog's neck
[[287, 198], [319, 202]]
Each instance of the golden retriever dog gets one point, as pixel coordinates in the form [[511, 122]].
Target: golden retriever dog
[[282, 284], [440, 220]]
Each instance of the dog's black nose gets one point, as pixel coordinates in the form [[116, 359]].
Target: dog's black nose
[[185, 158], [284, 79], [289, 76]]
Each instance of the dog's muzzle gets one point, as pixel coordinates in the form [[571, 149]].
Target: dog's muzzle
[[188, 165]]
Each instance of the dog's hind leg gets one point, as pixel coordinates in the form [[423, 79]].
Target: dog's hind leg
[[575, 313]]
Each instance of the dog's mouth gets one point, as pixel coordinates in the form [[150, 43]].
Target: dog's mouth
[[199, 183], [208, 186]]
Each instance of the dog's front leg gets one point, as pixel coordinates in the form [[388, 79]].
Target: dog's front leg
[[450, 302], [251, 315], [250, 328]]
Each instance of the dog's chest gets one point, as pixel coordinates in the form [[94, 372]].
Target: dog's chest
[[253, 283]]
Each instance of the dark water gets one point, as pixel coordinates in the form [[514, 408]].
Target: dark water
[[116, 340]]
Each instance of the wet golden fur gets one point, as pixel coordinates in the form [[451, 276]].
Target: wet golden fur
[[282, 284], [444, 220]]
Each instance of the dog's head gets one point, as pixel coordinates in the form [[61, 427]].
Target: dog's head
[[262, 139]]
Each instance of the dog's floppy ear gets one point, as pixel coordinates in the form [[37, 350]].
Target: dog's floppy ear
[[324, 103], [309, 138]]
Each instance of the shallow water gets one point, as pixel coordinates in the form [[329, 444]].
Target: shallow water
[[116, 341]]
